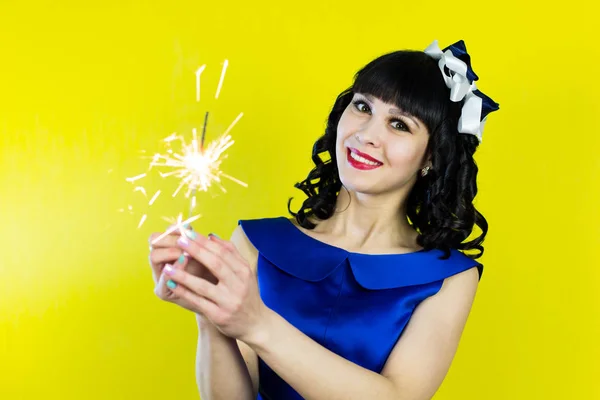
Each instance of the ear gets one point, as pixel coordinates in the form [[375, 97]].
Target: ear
[[427, 161]]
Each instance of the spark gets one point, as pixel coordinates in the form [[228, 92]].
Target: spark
[[135, 178], [129, 209], [178, 226], [225, 64], [140, 189], [154, 197], [233, 123], [197, 167]]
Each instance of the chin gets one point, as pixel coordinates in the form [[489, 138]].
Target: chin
[[360, 184]]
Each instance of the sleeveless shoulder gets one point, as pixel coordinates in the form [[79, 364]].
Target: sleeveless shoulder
[[302, 256]]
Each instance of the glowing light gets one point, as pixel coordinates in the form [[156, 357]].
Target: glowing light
[[195, 166], [223, 71]]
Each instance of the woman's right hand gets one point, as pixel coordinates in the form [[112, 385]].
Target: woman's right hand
[[166, 251]]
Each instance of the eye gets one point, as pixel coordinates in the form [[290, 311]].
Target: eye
[[399, 125], [361, 106]]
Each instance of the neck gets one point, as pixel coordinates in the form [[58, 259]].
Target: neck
[[371, 222]]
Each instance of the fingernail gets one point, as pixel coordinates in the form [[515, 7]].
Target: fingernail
[[187, 226], [214, 234], [183, 241], [168, 269], [191, 234], [171, 284], [181, 259]]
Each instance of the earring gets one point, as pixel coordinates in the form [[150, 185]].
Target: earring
[[424, 171]]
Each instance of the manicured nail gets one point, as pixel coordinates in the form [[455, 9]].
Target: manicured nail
[[191, 234], [181, 259], [214, 234], [171, 284], [169, 269], [183, 241]]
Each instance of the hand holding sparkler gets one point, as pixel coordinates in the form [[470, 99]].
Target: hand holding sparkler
[[165, 253], [197, 167]]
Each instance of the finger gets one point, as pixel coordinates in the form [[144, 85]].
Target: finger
[[182, 261], [163, 255], [200, 305], [198, 286], [161, 289], [228, 252], [158, 258], [214, 263], [197, 291]]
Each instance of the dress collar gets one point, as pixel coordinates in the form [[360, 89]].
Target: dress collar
[[287, 247]]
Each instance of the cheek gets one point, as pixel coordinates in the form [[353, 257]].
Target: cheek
[[344, 131], [404, 154], [343, 128]]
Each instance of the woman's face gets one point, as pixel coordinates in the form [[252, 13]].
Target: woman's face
[[379, 148]]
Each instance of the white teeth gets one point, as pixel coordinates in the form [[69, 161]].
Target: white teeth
[[362, 159]]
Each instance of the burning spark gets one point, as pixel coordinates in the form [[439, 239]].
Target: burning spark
[[196, 169], [154, 198], [196, 166], [180, 225], [129, 209], [140, 189], [135, 178], [225, 64]]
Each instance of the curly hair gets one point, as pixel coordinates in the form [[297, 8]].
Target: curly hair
[[440, 205]]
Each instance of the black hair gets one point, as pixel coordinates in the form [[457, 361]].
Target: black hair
[[440, 205]]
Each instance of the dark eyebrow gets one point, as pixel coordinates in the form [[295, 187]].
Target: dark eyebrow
[[396, 111]]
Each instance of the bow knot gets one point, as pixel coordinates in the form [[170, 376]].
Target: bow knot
[[460, 79]]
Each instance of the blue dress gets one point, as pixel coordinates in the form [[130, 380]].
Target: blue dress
[[355, 305]]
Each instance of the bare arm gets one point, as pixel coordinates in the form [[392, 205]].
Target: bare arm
[[414, 370], [226, 368]]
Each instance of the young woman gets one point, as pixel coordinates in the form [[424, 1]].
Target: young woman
[[364, 294]]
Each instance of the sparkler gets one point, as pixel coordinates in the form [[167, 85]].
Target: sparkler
[[196, 166]]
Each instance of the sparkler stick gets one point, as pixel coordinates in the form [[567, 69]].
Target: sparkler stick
[[193, 201]]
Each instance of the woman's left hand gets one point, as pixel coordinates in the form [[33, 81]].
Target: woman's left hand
[[233, 304]]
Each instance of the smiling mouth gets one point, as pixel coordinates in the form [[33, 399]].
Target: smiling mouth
[[361, 161]]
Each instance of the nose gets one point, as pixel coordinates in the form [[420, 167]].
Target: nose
[[368, 136]]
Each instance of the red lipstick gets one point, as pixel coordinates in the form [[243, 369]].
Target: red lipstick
[[360, 163]]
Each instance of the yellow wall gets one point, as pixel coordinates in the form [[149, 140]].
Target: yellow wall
[[84, 87]]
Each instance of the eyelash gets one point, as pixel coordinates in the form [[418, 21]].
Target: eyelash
[[356, 104]]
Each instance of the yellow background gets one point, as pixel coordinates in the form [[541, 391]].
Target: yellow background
[[84, 86]]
